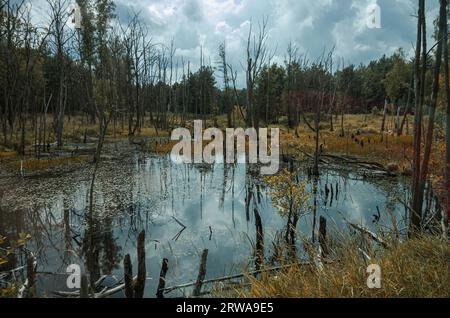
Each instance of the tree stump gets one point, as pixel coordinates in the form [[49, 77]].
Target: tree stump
[[162, 278], [128, 276], [201, 274], [323, 236], [142, 273]]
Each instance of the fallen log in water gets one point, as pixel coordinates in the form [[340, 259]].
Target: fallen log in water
[[348, 160], [112, 291], [179, 222], [363, 164], [11, 272], [371, 234], [241, 275], [102, 294]]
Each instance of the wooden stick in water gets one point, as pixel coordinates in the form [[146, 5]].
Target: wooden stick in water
[[128, 276], [162, 278], [323, 236], [142, 272], [201, 273]]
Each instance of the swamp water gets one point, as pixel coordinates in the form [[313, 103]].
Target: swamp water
[[184, 210]]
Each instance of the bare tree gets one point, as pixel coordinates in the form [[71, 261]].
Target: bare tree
[[447, 153], [419, 65], [30, 43], [233, 75], [291, 61], [10, 36], [257, 56], [60, 35], [136, 47], [421, 169], [322, 71], [408, 105], [385, 113], [226, 82]]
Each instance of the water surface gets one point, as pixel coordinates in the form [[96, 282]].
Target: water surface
[[150, 193]]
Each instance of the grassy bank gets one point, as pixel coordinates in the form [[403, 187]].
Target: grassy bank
[[416, 268]]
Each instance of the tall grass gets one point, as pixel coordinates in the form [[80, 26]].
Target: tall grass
[[416, 268]]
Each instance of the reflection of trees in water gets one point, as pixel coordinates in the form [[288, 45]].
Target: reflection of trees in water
[[100, 249], [252, 201], [233, 178], [111, 250], [259, 246], [57, 229], [224, 187], [315, 183], [332, 190]]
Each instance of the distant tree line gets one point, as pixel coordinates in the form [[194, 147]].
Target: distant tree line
[[97, 67]]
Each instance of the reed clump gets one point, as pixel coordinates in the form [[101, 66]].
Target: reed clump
[[418, 268]]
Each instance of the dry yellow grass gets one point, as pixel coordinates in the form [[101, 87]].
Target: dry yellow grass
[[149, 132], [7, 154], [375, 147], [416, 268], [367, 142], [362, 139], [383, 148]]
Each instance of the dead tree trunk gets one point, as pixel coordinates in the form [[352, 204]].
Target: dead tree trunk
[[201, 274], [447, 152], [226, 81], [142, 273], [128, 276], [317, 130], [323, 236], [162, 278], [31, 277], [408, 105], [84, 287], [432, 111], [385, 111], [419, 72], [259, 252]]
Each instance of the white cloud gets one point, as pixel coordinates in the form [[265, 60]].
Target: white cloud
[[160, 14], [312, 25]]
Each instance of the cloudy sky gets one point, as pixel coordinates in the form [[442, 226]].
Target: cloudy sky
[[311, 25]]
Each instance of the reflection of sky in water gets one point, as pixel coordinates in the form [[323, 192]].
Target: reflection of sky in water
[[200, 198]]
